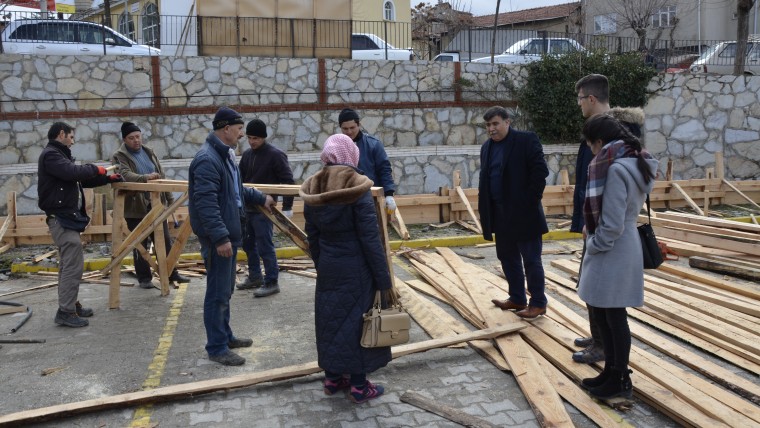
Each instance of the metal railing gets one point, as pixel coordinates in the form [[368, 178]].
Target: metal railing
[[310, 38]]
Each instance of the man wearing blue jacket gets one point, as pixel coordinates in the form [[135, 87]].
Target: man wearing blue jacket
[[373, 161], [216, 207]]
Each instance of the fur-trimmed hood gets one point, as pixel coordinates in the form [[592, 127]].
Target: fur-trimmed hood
[[334, 184], [634, 115]]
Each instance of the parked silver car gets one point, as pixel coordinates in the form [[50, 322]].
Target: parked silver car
[[529, 50], [64, 37], [720, 58]]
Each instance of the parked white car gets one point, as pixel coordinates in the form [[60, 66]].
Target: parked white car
[[449, 57], [64, 37], [720, 58], [529, 50], [369, 46]]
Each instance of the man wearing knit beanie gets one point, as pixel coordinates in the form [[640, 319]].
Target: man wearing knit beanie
[[263, 164], [373, 161], [139, 164], [216, 205]]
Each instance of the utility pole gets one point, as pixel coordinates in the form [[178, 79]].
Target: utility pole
[[107, 13], [43, 9]]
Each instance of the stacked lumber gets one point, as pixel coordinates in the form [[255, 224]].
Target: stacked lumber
[[721, 320]]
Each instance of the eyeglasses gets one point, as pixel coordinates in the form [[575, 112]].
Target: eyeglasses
[[583, 97]]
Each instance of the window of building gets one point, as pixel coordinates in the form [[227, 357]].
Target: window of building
[[126, 25], [150, 21], [389, 11], [605, 24], [665, 17]]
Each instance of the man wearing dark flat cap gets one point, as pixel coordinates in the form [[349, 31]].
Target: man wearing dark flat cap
[[263, 164], [216, 206], [139, 164], [373, 161]]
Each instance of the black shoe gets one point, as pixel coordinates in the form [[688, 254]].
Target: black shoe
[[228, 359], [590, 355], [594, 382], [70, 319], [617, 384], [180, 279], [148, 283], [583, 342], [84, 312], [267, 289], [239, 343], [250, 283]]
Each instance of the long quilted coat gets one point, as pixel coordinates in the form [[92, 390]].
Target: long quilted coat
[[344, 240]]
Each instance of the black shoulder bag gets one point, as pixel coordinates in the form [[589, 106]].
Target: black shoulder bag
[[649, 247]]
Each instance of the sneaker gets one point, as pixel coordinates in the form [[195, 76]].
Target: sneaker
[[229, 358], [250, 283], [180, 279], [332, 386], [366, 393], [70, 319], [590, 355], [239, 343], [147, 284], [267, 289], [84, 312]]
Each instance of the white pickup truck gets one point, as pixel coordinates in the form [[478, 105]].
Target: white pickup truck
[[369, 46]]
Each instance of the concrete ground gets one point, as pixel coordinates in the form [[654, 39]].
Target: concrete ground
[[156, 341]]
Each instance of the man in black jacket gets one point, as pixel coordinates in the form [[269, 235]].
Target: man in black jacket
[[60, 194], [263, 164], [513, 175]]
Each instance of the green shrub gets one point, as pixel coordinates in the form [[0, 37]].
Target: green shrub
[[549, 97]]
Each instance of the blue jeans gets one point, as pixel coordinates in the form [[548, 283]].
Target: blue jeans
[[516, 255], [220, 282], [257, 244]]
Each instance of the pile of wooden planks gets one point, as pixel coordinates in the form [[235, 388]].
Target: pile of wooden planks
[[722, 320]]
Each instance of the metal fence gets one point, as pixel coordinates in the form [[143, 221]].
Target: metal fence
[[283, 37]]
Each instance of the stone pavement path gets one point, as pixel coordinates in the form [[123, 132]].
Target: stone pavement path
[[153, 341]]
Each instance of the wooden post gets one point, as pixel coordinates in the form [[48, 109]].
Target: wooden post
[[159, 243], [709, 173], [444, 213], [719, 169], [564, 178], [10, 219], [117, 236], [382, 222], [668, 177]]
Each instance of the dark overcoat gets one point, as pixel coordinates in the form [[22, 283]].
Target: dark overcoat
[[523, 179], [344, 241]]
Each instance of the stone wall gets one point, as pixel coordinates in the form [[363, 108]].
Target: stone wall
[[427, 114]]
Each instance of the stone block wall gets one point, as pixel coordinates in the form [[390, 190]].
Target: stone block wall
[[427, 114]]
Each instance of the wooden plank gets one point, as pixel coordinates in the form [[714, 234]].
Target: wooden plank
[[469, 209], [719, 231], [12, 309], [686, 197], [11, 219], [725, 268], [399, 225], [708, 240], [287, 227], [44, 256], [118, 231], [192, 389], [159, 245], [432, 318], [447, 412], [707, 279], [728, 183]]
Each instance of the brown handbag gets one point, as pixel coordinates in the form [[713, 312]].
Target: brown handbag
[[386, 327]]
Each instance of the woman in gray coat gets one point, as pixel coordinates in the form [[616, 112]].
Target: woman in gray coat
[[620, 176]]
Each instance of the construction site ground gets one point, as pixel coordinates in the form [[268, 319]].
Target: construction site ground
[[154, 341]]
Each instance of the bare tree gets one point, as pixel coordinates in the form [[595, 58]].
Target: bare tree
[[431, 24], [495, 27], [742, 33], [637, 15]]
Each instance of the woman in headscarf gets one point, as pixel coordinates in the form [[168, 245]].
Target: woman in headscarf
[[621, 174], [344, 241]]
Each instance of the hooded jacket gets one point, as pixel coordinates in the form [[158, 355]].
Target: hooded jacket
[[344, 240], [613, 271]]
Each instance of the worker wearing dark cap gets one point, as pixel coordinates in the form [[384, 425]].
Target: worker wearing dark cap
[[373, 161], [139, 164], [216, 206], [263, 164]]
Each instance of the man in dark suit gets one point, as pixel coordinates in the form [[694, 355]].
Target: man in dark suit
[[513, 175]]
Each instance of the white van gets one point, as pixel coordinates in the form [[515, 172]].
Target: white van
[[719, 58], [69, 38]]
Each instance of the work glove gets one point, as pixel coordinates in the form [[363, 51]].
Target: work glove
[[288, 213], [115, 178], [102, 170], [390, 205]]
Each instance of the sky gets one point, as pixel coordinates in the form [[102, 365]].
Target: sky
[[488, 7]]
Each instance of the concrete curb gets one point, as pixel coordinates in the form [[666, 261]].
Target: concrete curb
[[291, 252]]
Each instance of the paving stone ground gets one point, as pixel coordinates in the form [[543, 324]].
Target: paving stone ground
[[117, 353]]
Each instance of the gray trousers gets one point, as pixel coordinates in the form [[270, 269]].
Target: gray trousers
[[71, 265]]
